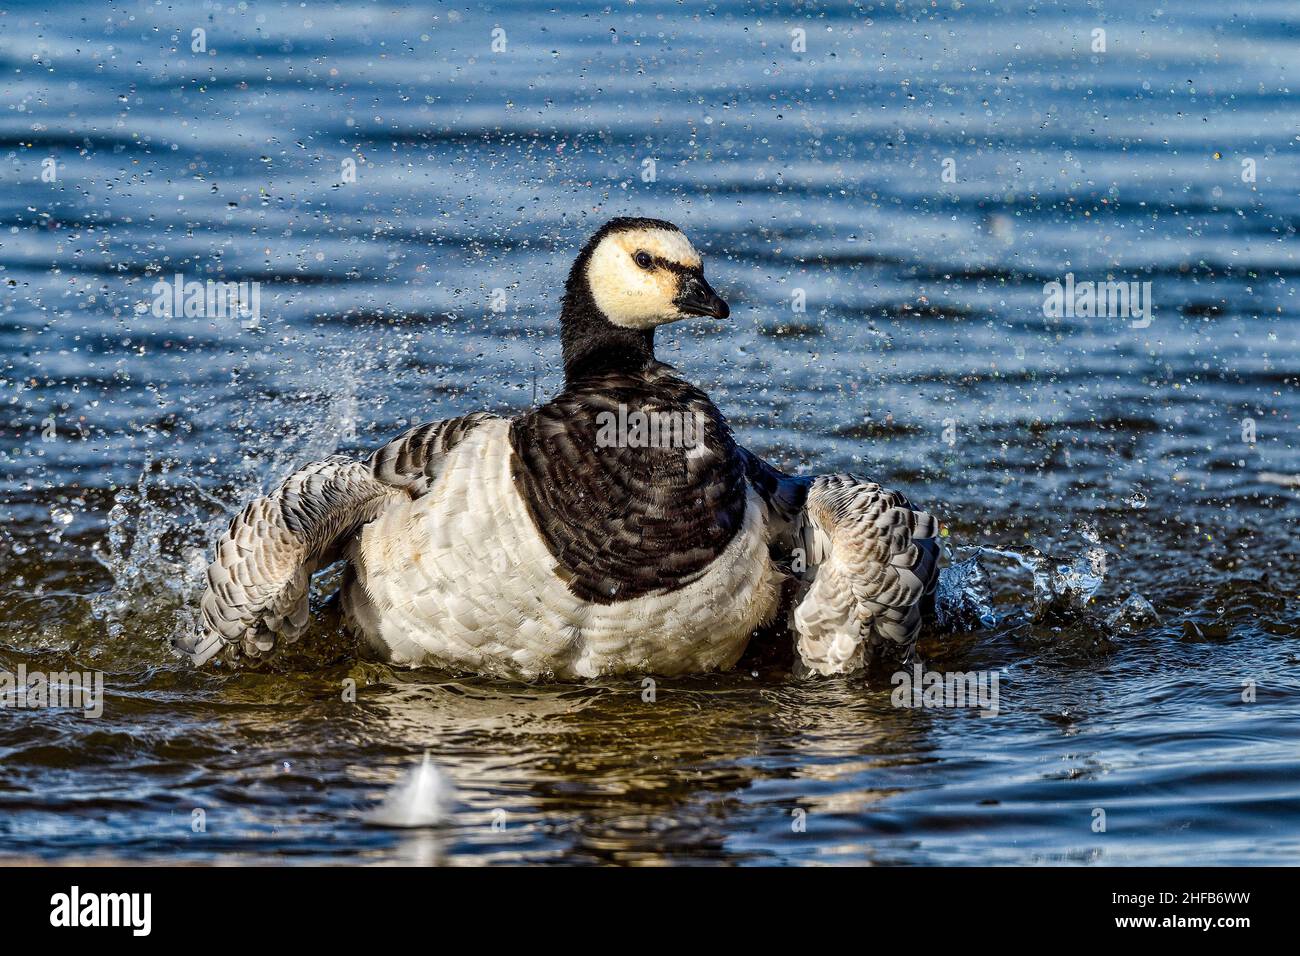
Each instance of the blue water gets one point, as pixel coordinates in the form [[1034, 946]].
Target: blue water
[[923, 359]]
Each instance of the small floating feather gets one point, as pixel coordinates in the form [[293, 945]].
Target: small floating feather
[[423, 798]]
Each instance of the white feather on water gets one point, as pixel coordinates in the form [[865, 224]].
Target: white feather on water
[[423, 798]]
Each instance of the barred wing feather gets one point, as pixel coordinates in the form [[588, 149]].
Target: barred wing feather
[[260, 576], [876, 561]]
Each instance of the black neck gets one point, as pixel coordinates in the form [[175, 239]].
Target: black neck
[[590, 341]]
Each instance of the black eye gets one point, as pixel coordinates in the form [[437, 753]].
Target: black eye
[[643, 259]]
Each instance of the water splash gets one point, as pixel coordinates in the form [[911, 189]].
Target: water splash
[[1132, 614], [1072, 585], [159, 531], [962, 601], [1061, 588], [149, 550]]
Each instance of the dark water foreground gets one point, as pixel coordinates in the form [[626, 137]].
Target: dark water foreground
[[1123, 488]]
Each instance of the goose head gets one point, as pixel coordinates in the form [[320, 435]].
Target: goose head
[[632, 276]]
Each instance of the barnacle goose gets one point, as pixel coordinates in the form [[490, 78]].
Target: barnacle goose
[[572, 541]]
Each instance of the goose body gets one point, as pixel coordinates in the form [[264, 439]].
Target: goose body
[[618, 528], [462, 578]]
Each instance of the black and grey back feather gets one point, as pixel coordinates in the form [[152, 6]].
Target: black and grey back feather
[[624, 520], [260, 577]]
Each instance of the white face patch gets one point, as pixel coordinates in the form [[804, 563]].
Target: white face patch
[[629, 295]]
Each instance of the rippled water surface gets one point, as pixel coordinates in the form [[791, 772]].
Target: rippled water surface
[[1122, 499]]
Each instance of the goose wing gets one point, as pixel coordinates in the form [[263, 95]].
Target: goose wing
[[260, 575], [869, 560]]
